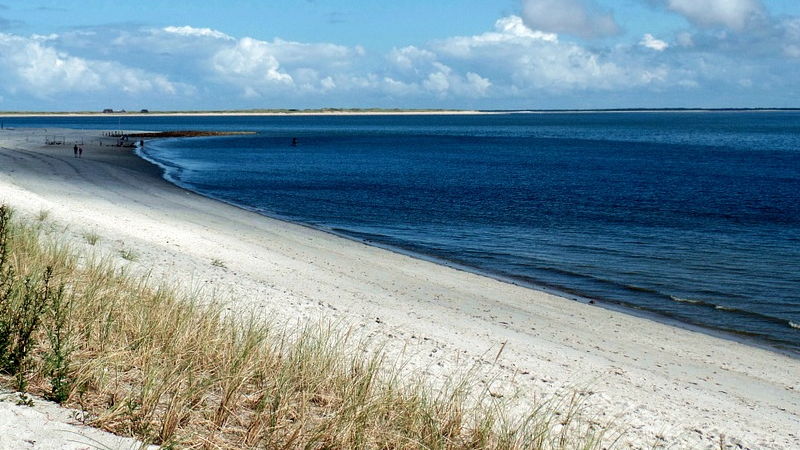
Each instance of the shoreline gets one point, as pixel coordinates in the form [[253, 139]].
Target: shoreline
[[732, 335], [690, 388], [267, 113]]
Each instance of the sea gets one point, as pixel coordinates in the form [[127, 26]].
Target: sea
[[686, 217]]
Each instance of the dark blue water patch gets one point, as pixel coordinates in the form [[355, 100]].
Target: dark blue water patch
[[630, 219], [563, 179], [694, 217]]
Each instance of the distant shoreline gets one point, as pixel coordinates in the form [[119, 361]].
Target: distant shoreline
[[324, 112], [364, 112]]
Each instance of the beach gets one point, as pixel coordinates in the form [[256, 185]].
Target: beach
[[659, 383]]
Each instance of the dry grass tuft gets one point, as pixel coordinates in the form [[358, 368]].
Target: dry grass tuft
[[173, 369]]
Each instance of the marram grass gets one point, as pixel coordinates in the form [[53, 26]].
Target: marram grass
[[173, 369]]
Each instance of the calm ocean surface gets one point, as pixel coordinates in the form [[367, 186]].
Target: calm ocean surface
[[690, 217]]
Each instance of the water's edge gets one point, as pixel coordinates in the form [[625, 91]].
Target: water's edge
[[726, 334]]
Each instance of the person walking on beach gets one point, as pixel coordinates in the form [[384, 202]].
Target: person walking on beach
[[80, 151], [75, 149]]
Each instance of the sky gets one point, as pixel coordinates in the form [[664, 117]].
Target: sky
[[168, 55]]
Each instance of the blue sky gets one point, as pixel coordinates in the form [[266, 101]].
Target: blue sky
[[63, 55]]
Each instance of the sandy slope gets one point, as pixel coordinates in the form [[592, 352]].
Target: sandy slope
[[657, 380]]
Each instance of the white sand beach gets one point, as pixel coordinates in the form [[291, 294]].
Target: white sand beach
[[660, 383]]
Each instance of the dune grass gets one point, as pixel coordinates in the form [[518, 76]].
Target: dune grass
[[177, 370]]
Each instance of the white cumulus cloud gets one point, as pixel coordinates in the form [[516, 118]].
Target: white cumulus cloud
[[519, 62], [652, 43], [737, 15], [251, 65], [197, 32], [522, 60], [582, 18], [409, 58], [34, 66], [444, 82], [790, 39], [280, 68]]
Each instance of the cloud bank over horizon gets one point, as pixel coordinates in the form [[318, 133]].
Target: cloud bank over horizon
[[550, 54]]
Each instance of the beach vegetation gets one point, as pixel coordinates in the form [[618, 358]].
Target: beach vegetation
[[91, 237], [216, 262], [42, 215], [128, 254], [26, 295], [173, 368]]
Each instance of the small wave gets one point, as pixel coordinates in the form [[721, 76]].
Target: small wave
[[726, 308], [641, 289], [686, 300], [794, 325]]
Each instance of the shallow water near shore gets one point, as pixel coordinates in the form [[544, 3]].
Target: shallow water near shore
[[691, 216]]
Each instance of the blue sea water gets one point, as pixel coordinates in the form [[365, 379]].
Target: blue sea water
[[691, 217]]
